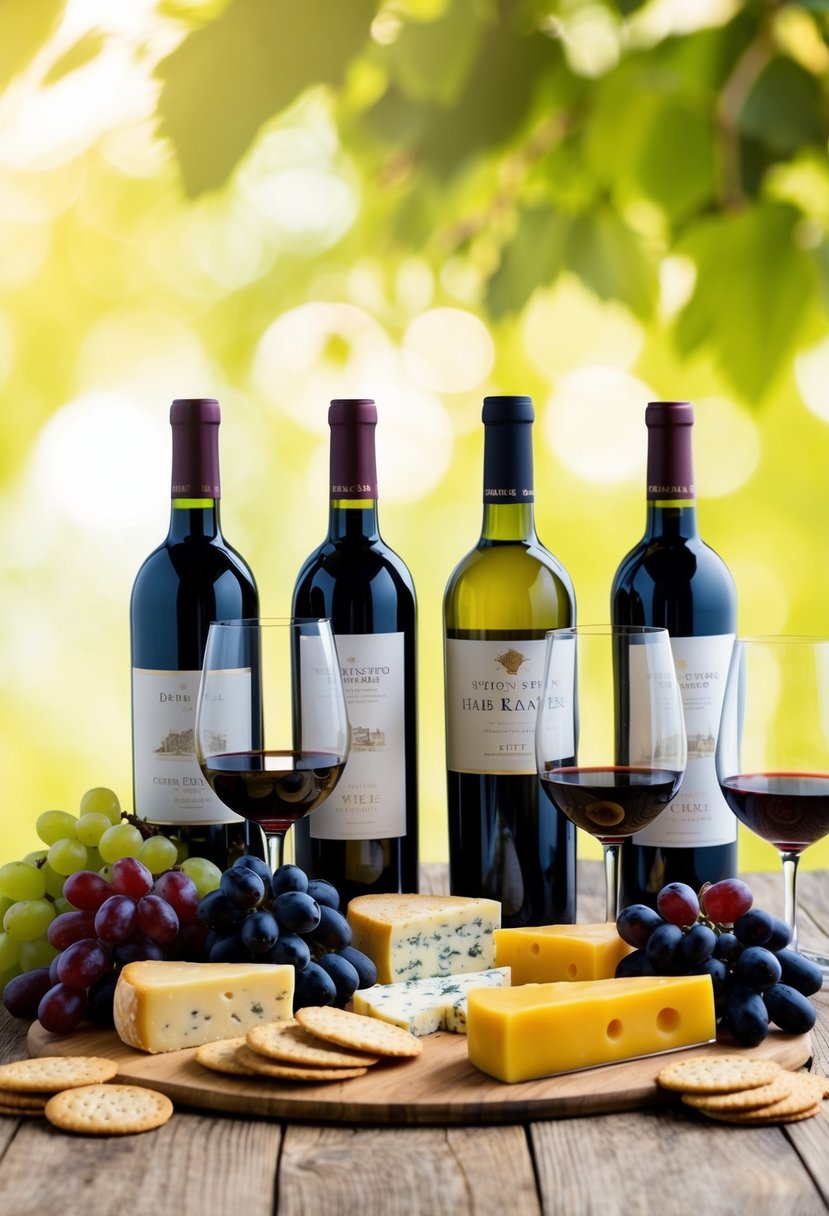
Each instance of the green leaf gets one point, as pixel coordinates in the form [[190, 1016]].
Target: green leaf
[[533, 258], [24, 28], [676, 163], [229, 76], [611, 261], [785, 108], [430, 61], [84, 51], [753, 288]]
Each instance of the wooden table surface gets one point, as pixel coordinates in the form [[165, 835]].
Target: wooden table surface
[[665, 1160]]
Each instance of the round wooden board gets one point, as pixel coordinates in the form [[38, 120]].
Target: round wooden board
[[439, 1087]]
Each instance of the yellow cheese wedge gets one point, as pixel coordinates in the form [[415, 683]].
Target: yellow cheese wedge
[[164, 1006], [548, 953], [535, 1030], [416, 937]]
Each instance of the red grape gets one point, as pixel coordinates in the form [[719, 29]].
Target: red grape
[[23, 994], [726, 900], [678, 904], [131, 877], [180, 892], [62, 1008], [70, 927], [116, 919], [82, 963], [157, 918], [87, 890]]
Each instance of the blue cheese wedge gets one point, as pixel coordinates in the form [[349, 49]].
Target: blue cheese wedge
[[424, 1006], [165, 1006], [417, 937]]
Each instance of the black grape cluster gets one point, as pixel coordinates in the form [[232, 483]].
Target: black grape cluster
[[285, 917], [756, 979]]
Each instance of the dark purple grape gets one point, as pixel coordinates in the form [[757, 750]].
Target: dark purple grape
[[324, 892], [116, 919], [259, 932], [728, 947], [296, 912], [23, 994], [677, 903], [180, 892], [217, 911], [289, 878], [698, 944], [137, 949], [345, 977], [260, 867], [718, 971], [746, 1016], [636, 923], [635, 963], [292, 950], [83, 963], [664, 949], [757, 968], [100, 1000], [243, 887], [314, 986], [70, 927], [333, 931], [62, 1008], [781, 935], [755, 927], [229, 949], [789, 1009], [800, 972], [362, 964]]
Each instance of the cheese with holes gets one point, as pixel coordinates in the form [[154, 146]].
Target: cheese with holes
[[548, 953], [415, 937], [424, 1006], [164, 1006], [535, 1030]]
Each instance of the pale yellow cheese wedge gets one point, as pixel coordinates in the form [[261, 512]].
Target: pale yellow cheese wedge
[[165, 1006], [515, 1034], [547, 953]]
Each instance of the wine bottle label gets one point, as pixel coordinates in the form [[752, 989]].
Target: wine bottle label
[[169, 786], [492, 692], [369, 802], [699, 815]]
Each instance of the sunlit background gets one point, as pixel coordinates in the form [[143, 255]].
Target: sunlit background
[[378, 204]]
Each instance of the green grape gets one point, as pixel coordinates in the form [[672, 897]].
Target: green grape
[[35, 857], [52, 826], [103, 801], [39, 952], [158, 854], [28, 919], [67, 856], [9, 952], [21, 880], [205, 875], [182, 851], [62, 904], [121, 840], [5, 904], [91, 827], [54, 881]]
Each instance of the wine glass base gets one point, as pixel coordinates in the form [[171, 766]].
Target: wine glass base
[[821, 960]]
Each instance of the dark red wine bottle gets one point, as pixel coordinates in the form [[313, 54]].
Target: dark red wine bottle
[[192, 578], [672, 579], [364, 837], [507, 840]]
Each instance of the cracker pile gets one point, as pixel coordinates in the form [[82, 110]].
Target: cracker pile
[[738, 1089], [321, 1044]]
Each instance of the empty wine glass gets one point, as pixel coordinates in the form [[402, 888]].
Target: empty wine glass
[[773, 749], [610, 733], [272, 731]]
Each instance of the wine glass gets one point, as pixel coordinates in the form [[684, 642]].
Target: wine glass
[[610, 733], [272, 730], [773, 749]]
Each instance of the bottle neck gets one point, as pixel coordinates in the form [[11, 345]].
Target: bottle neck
[[194, 517], [671, 494], [353, 493], [353, 519], [195, 479], [508, 483]]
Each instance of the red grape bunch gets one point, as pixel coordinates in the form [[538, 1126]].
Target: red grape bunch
[[757, 980]]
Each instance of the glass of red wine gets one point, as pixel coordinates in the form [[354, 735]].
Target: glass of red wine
[[272, 730], [610, 734], [773, 749]]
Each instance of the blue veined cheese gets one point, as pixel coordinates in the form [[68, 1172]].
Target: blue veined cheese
[[424, 1006], [416, 937], [165, 1005]]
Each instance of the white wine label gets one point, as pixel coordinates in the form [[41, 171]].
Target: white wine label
[[369, 802], [699, 815], [492, 693], [655, 737], [169, 786]]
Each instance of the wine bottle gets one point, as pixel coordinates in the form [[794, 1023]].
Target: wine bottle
[[192, 578], [506, 838], [671, 578], [364, 837]]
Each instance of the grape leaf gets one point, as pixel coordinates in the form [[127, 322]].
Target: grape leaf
[[784, 110], [533, 258], [431, 60], [24, 28], [754, 286], [611, 260], [229, 76]]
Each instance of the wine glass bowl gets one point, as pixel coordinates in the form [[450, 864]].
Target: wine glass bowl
[[773, 748], [610, 734], [272, 730]]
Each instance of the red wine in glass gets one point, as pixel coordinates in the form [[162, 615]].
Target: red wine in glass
[[273, 789], [790, 810], [613, 802]]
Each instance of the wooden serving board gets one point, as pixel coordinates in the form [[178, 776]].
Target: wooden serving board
[[438, 1087]]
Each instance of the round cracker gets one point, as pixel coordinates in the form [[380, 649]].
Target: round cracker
[[17, 1112], [296, 1072], [221, 1057], [109, 1110], [359, 1032], [290, 1043], [51, 1074], [753, 1118], [717, 1074], [9, 1098]]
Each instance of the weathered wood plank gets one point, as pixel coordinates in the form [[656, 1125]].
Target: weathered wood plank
[[408, 1172]]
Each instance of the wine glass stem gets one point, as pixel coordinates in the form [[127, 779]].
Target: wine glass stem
[[276, 844], [611, 880], [790, 861]]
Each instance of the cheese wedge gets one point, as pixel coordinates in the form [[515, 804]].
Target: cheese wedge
[[548, 953], [165, 1006], [535, 1030], [414, 937], [424, 1006]]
